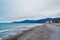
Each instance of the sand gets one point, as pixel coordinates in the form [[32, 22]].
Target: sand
[[41, 32]]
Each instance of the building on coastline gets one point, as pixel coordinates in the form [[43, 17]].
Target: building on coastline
[[55, 20], [47, 22]]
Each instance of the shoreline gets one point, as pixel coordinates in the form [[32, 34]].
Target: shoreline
[[20, 35], [11, 31]]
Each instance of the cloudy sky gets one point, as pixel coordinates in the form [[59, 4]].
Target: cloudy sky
[[13, 10]]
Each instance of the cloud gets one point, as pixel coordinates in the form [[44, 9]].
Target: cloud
[[11, 10]]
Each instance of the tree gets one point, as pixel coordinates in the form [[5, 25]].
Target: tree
[[56, 20]]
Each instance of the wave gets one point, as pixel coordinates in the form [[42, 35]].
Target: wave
[[16, 29], [12, 32], [0, 38], [6, 30], [4, 34]]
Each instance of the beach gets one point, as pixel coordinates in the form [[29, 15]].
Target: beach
[[40, 32]]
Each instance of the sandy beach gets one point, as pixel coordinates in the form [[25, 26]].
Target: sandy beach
[[38, 33], [41, 32]]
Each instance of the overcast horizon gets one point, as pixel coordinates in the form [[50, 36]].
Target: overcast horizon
[[14, 10]]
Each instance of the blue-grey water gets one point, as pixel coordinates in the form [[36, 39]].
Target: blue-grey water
[[6, 27]]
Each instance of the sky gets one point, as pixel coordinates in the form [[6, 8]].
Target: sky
[[16, 10]]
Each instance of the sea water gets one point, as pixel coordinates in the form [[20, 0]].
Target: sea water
[[6, 28]]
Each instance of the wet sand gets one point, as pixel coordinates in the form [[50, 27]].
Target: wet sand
[[41, 32]]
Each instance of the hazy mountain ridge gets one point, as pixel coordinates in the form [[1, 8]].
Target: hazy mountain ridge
[[35, 21]]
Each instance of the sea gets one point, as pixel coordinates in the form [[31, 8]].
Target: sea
[[6, 28]]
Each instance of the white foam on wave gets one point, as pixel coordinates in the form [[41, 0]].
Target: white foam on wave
[[0, 38], [23, 28], [6, 30], [9, 33], [13, 32]]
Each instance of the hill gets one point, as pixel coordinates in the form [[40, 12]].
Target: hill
[[35, 21]]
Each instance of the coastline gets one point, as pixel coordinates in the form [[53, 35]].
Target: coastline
[[41, 30]]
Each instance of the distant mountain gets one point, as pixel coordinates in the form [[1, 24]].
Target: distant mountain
[[35, 21]]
